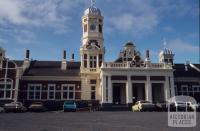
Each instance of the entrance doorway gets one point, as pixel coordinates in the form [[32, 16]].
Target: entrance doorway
[[119, 93], [158, 92], [138, 91]]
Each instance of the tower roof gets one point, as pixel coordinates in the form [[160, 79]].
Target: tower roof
[[166, 51], [92, 9]]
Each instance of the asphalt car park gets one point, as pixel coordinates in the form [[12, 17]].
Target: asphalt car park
[[88, 121]]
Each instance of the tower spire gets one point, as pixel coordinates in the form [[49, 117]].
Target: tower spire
[[92, 2]]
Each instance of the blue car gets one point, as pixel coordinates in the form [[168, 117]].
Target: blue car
[[69, 106]]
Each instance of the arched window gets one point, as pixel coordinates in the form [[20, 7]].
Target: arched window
[[6, 88]]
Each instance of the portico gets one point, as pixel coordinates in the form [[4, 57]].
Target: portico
[[124, 85]]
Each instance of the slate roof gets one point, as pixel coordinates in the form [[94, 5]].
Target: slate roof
[[52, 68], [181, 72]]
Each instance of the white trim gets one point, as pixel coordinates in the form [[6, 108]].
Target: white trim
[[52, 78]]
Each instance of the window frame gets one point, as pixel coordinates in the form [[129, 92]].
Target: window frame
[[34, 91], [50, 91], [9, 81], [68, 91]]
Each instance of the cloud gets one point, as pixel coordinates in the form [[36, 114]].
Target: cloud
[[135, 24], [2, 41], [38, 13], [140, 17], [193, 35], [23, 36], [12, 11], [180, 46], [168, 29]]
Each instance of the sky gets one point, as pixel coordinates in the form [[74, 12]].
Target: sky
[[47, 27]]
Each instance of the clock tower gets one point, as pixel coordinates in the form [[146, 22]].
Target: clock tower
[[92, 52]]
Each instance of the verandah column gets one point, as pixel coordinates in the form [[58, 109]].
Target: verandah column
[[110, 90], [166, 88], [103, 89], [172, 86], [148, 90], [129, 97]]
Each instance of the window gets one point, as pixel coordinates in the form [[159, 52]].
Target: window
[[100, 28], [92, 27], [58, 92], [34, 91], [93, 91], [85, 27], [6, 90], [196, 88], [37, 92], [100, 59], [71, 92], [51, 91], [68, 92], [44, 92], [85, 60], [65, 92], [93, 61]]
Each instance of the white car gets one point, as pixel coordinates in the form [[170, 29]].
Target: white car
[[143, 106], [37, 106], [14, 107]]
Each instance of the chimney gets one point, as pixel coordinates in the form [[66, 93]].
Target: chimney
[[27, 54], [64, 55], [147, 54], [26, 63], [72, 59], [64, 62], [147, 60]]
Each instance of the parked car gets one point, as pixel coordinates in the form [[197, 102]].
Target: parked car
[[197, 107], [161, 106], [192, 107], [14, 107], [37, 106], [1, 109], [177, 106], [143, 106], [183, 106], [69, 106]]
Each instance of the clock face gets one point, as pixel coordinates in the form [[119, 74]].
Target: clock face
[[92, 27]]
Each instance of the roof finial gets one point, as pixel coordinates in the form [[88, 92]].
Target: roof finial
[[92, 2], [164, 43]]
